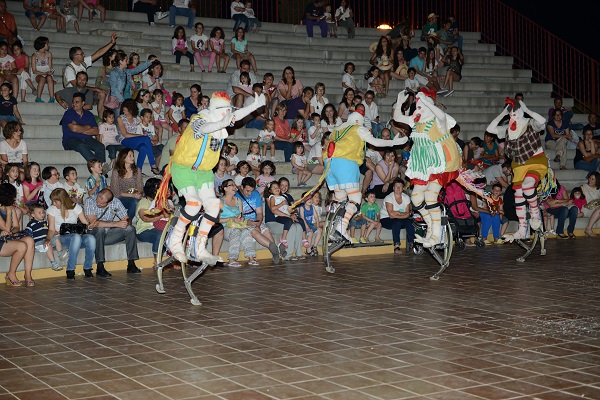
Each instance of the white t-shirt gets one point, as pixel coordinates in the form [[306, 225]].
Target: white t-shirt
[[20, 194], [71, 73], [412, 84], [317, 136], [238, 179], [72, 216], [5, 62], [254, 159], [177, 112], [48, 188], [146, 130], [349, 80], [299, 160], [181, 3], [280, 200], [316, 151], [160, 116], [374, 155], [235, 4], [200, 41], [330, 128], [342, 14], [391, 199], [317, 105], [14, 155], [249, 13], [266, 136]]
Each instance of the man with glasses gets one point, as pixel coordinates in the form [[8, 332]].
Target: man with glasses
[[81, 62], [79, 130]]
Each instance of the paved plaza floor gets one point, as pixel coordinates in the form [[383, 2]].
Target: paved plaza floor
[[490, 328]]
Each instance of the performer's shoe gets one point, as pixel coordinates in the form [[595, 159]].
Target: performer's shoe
[[205, 256], [274, 252], [178, 252], [535, 223]]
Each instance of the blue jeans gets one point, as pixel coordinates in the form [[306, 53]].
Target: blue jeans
[[458, 40], [240, 19], [287, 147], [253, 22], [256, 124], [144, 147], [151, 236], [562, 213], [186, 12], [487, 221], [73, 242], [377, 128], [396, 225], [89, 149], [113, 150], [130, 204], [588, 166]]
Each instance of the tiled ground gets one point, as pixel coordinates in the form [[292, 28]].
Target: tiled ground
[[376, 329]]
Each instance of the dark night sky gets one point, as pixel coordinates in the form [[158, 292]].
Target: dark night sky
[[575, 22]]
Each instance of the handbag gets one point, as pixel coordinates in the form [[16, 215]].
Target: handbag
[[78, 228], [160, 224], [16, 236], [592, 205], [111, 102]]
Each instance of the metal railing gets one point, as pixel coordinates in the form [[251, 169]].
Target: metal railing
[[552, 60]]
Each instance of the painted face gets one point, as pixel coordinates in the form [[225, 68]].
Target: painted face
[[422, 113], [515, 117]]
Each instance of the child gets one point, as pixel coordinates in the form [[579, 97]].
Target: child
[[220, 174], [315, 132], [242, 169], [348, 80], [252, 20], [245, 82], [158, 112], [300, 164], [8, 106], [38, 228], [96, 182], [204, 103], [93, 7], [230, 154], [579, 200], [375, 82], [239, 49], [493, 218], [310, 216], [298, 131], [8, 68], [216, 44], [135, 84], [41, 68], [51, 9], [329, 18], [179, 47], [267, 170], [146, 128], [12, 175], [144, 99], [199, 42], [266, 138], [318, 205], [32, 185], [51, 179], [65, 10], [280, 208], [22, 64], [71, 186], [109, 135], [176, 112], [474, 153], [370, 213], [270, 91], [254, 158]]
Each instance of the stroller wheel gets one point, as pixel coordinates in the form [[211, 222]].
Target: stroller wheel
[[461, 245], [418, 249]]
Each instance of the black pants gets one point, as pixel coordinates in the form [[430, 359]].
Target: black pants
[[178, 55], [147, 8]]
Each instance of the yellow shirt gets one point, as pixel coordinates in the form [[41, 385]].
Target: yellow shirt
[[189, 150], [348, 145]]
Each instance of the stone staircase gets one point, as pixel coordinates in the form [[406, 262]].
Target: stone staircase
[[479, 97]]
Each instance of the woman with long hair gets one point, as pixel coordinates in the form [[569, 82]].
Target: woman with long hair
[[126, 181], [383, 58], [62, 211]]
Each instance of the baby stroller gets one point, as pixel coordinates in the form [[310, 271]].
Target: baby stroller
[[462, 221]]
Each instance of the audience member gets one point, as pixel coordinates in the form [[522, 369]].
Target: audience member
[[8, 28], [557, 135], [184, 8], [126, 181], [81, 62], [314, 15], [237, 94], [587, 157], [150, 8], [396, 214], [345, 18], [79, 129]]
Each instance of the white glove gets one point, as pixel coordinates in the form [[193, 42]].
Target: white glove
[[226, 121], [221, 134], [398, 141]]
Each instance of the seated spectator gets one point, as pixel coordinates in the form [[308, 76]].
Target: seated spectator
[[561, 206], [192, 102], [407, 52], [179, 47], [587, 157], [318, 102], [300, 106], [120, 75], [216, 44], [444, 35], [150, 8], [65, 97], [430, 26], [396, 214], [237, 94], [296, 236], [453, 33], [79, 129], [201, 48], [35, 14], [594, 126], [237, 15], [153, 79], [101, 211], [283, 131], [63, 210], [289, 87], [126, 181], [14, 149], [22, 62], [254, 24], [236, 226], [93, 7], [567, 113], [346, 105], [184, 8], [81, 62], [8, 29], [239, 49], [383, 58], [345, 18], [314, 15], [128, 123], [414, 82], [386, 173], [329, 118], [372, 113], [454, 60], [32, 184], [149, 227], [252, 206], [8, 106], [557, 135]]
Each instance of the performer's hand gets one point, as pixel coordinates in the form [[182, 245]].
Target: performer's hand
[[398, 141], [402, 97], [523, 106], [259, 101]]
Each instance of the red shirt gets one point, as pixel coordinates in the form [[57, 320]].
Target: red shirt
[[282, 128]]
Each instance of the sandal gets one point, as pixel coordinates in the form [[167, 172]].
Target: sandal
[[234, 264], [397, 250], [283, 242], [253, 263], [30, 283], [572, 236], [590, 233], [10, 282], [305, 243], [155, 170]]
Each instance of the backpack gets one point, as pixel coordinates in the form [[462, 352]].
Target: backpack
[[64, 70]]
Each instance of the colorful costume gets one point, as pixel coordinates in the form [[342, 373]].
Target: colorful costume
[[196, 154], [434, 160], [529, 163], [345, 154]]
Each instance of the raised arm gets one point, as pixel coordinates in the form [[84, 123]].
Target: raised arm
[[539, 121], [366, 135], [398, 116], [493, 126]]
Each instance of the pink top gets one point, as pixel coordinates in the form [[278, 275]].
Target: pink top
[[20, 62], [296, 89], [282, 128], [217, 44], [579, 203], [261, 182], [31, 187]]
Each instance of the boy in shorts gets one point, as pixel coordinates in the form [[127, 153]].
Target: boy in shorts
[[38, 226]]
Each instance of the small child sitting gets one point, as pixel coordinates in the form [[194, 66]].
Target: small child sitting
[[230, 154], [330, 19], [375, 82], [146, 128], [38, 227], [266, 138], [310, 217], [300, 164], [474, 153], [96, 182], [252, 20], [348, 80], [71, 186], [579, 200], [109, 135], [367, 221]]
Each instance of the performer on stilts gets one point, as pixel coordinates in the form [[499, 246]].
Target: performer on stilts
[[196, 154], [529, 163], [434, 160]]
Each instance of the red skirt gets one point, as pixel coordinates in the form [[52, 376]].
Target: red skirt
[[443, 179]]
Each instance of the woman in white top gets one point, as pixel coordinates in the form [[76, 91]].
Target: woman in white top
[[395, 215], [63, 210], [345, 18], [153, 79], [591, 191], [13, 149], [318, 102]]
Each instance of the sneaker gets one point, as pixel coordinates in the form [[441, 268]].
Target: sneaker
[[38, 100], [274, 159], [364, 240], [161, 15], [171, 26], [354, 241], [55, 266], [152, 24], [63, 254], [449, 93], [52, 100]]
